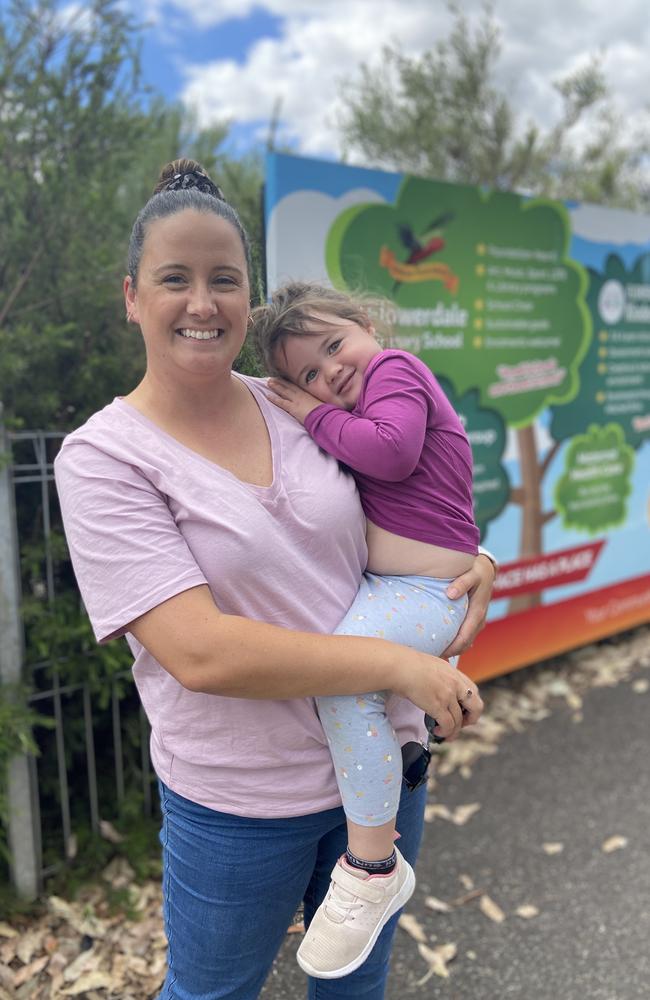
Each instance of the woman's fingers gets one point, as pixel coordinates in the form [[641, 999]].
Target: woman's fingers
[[472, 625], [477, 582], [481, 574], [449, 722], [471, 704], [464, 583]]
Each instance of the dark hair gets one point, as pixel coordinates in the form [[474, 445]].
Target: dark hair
[[292, 311], [182, 184]]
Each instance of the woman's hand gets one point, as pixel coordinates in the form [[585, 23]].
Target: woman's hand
[[292, 399], [477, 582], [446, 694]]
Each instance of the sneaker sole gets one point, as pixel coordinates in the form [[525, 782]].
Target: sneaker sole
[[396, 904]]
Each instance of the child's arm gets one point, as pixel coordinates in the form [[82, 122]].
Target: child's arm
[[385, 440]]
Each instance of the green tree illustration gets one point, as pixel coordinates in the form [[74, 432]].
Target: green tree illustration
[[486, 294]]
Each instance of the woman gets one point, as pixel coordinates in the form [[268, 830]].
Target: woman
[[206, 526]]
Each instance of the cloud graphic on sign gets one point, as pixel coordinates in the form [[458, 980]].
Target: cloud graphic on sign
[[297, 234], [602, 225]]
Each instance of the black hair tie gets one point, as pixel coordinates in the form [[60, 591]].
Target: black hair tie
[[193, 179]]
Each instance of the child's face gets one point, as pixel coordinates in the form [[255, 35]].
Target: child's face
[[330, 362]]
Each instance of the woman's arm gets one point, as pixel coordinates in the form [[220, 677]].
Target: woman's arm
[[207, 651], [477, 583]]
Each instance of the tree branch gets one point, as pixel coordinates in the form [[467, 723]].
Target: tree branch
[[20, 284], [548, 458]]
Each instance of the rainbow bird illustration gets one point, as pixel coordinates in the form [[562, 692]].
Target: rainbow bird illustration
[[428, 243]]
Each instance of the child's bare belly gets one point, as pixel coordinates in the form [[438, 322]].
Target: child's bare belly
[[395, 555]]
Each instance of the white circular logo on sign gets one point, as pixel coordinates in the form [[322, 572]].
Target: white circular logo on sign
[[611, 301]]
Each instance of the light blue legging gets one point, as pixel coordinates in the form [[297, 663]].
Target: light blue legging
[[416, 612]]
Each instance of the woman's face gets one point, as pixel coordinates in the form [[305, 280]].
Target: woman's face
[[192, 294]]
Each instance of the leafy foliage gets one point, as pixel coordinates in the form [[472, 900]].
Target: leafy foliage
[[442, 116], [81, 145], [17, 724]]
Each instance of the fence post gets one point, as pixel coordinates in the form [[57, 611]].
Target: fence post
[[22, 832]]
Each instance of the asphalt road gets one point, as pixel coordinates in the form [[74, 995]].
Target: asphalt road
[[557, 781]]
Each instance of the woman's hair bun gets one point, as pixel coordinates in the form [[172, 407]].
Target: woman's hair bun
[[185, 174]]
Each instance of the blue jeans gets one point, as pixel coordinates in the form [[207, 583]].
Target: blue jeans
[[231, 886]]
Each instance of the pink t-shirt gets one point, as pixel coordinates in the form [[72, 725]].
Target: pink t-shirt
[[408, 452], [147, 518]]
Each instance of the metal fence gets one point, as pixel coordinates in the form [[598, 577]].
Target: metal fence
[[26, 478]]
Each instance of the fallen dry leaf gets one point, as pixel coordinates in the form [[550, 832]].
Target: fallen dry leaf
[[108, 832], [641, 685], [87, 961], [89, 981], [7, 979], [466, 881], [28, 944], [437, 904], [491, 910], [466, 897], [459, 816], [119, 873], [614, 843], [438, 959], [462, 814], [410, 923], [30, 971], [7, 931], [527, 911], [433, 809], [553, 848]]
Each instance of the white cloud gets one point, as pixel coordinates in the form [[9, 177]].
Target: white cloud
[[322, 43], [75, 17]]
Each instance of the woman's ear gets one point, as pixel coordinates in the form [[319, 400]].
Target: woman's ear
[[130, 300]]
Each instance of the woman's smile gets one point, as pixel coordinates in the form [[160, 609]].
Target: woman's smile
[[200, 334]]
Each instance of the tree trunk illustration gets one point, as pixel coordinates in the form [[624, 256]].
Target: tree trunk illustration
[[532, 518]]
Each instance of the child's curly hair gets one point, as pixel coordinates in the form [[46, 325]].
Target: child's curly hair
[[292, 311]]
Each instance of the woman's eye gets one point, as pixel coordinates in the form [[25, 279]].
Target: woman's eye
[[311, 375], [173, 279], [224, 279], [334, 346]]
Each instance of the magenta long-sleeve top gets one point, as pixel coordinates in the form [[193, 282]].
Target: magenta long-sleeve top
[[408, 452]]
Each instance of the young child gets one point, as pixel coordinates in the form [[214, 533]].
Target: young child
[[383, 414]]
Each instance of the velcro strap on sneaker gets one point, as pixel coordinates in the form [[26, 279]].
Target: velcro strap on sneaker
[[362, 888]]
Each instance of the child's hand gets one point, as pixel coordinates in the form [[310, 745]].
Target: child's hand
[[292, 399]]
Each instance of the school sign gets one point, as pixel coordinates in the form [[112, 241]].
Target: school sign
[[535, 317]]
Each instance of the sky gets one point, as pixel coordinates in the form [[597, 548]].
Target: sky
[[239, 61]]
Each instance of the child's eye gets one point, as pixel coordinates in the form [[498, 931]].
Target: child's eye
[[311, 375], [333, 346]]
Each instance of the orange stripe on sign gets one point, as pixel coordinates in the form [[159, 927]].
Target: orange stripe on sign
[[410, 273], [541, 632]]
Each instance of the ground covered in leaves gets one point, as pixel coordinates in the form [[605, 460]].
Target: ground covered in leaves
[[82, 948]]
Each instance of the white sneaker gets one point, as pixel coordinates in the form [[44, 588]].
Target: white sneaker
[[350, 918]]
